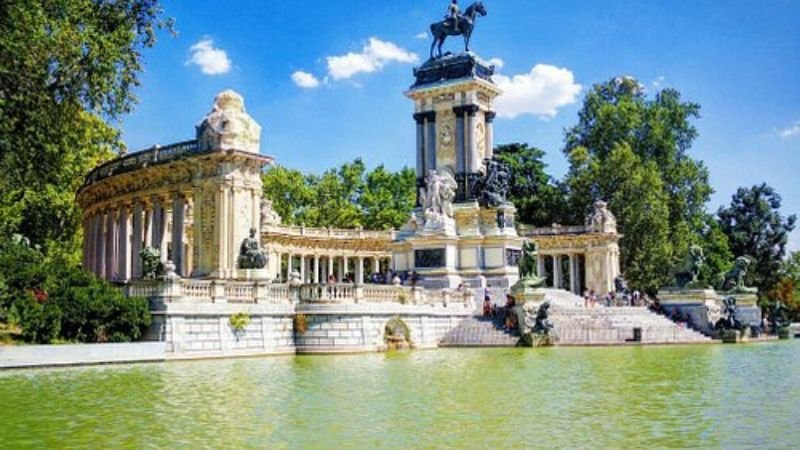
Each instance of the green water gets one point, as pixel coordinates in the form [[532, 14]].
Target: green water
[[698, 396]]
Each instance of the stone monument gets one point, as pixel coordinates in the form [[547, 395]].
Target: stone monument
[[463, 229]]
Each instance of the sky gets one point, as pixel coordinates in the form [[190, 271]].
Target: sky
[[325, 78]]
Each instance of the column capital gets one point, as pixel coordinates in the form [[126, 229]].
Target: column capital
[[468, 109], [420, 117], [490, 115]]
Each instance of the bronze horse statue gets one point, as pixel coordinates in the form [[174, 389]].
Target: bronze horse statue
[[466, 23]]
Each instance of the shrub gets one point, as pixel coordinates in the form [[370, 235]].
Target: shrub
[[95, 311], [40, 322]]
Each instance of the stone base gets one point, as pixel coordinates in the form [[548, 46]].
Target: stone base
[[686, 296], [253, 274]]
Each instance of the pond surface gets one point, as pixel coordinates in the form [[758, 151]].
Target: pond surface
[[695, 396]]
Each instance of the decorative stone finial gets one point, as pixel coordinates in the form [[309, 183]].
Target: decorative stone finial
[[601, 220], [228, 126]]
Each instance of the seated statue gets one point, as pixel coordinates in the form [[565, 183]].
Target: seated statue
[[250, 254], [543, 325]]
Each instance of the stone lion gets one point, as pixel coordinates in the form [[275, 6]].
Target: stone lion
[[734, 279]]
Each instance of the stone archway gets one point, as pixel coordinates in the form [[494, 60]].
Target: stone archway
[[397, 334]]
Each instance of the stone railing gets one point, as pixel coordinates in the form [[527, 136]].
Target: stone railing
[[529, 231], [329, 233], [178, 290], [373, 294], [207, 291], [134, 161]]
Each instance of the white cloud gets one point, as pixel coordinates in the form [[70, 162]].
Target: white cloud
[[658, 82], [793, 130], [422, 36], [498, 63], [211, 60], [541, 92], [373, 56], [305, 80]]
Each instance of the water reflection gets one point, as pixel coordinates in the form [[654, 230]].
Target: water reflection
[[709, 396]]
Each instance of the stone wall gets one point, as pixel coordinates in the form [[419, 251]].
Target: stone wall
[[203, 329]]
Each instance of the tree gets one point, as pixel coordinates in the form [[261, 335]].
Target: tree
[[539, 200], [347, 197], [755, 228], [633, 152], [67, 67]]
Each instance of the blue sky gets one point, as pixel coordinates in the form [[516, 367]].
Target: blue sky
[[325, 78]]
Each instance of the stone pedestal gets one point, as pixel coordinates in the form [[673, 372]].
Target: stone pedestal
[[253, 274]]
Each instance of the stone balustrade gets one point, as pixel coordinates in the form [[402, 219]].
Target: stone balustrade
[[241, 292], [139, 160]]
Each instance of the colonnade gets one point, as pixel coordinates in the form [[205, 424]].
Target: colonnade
[[572, 279], [319, 267], [115, 235]]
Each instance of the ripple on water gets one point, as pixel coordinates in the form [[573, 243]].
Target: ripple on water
[[709, 396]]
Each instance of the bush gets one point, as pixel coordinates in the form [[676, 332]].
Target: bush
[[95, 311], [40, 322]]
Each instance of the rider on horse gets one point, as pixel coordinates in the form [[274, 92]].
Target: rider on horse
[[453, 13]]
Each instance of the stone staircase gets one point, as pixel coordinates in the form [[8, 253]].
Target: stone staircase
[[610, 326], [478, 331]]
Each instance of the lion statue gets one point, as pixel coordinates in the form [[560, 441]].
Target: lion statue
[[689, 270], [734, 280]]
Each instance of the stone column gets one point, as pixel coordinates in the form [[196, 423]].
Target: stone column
[[316, 269], [376, 265], [288, 267], [157, 225], [461, 156], [359, 270], [110, 265], [557, 281], [540, 265], [303, 268], [123, 256], [330, 266], [136, 242], [473, 161], [100, 248], [490, 115], [430, 141], [178, 210], [573, 273], [420, 121]]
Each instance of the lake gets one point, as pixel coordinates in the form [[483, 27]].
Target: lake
[[715, 396]]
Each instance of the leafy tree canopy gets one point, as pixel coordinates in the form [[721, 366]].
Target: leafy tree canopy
[[632, 151], [66, 68], [755, 228], [347, 197]]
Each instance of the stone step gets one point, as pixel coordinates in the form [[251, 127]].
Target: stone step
[[479, 332]]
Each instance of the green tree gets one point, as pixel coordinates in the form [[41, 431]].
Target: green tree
[[67, 68], [716, 249], [539, 200], [388, 198], [756, 228], [347, 197], [633, 152]]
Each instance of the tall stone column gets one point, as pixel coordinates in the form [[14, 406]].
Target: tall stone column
[[288, 267], [330, 265], [303, 268], [178, 214], [359, 270], [136, 241], [376, 265], [490, 115], [557, 280], [316, 268], [473, 159], [157, 230], [110, 265], [100, 248], [540, 265], [573, 273], [430, 141], [124, 255]]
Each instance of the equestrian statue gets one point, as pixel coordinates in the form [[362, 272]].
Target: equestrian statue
[[455, 24]]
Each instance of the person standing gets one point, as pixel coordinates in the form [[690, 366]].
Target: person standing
[[453, 12]]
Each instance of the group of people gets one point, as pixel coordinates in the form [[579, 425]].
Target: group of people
[[504, 313], [590, 298]]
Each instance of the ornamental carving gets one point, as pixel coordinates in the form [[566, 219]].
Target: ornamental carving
[[601, 220], [446, 142], [480, 139], [228, 126]]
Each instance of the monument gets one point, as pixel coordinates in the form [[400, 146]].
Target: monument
[[463, 229]]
